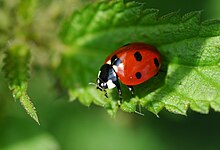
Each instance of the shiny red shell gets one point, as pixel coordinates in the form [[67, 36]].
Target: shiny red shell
[[148, 66]]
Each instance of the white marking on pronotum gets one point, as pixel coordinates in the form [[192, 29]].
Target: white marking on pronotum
[[115, 68], [108, 62], [121, 66], [110, 84]]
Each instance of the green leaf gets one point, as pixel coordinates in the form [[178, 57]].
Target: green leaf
[[16, 68], [190, 49], [25, 11]]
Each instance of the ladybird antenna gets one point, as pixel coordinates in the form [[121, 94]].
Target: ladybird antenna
[[106, 94], [92, 83]]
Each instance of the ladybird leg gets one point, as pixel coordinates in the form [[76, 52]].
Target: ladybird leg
[[117, 84], [120, 97], [120, 94], [106, 94], [131, 89]]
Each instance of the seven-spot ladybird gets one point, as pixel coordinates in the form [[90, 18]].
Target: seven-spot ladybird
[[132, 64]]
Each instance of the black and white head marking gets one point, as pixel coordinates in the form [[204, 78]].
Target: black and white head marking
[[106, 77]]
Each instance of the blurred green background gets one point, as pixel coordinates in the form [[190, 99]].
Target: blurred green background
[[72, 126]]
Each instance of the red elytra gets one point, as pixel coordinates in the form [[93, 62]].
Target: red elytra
[[136, 58]]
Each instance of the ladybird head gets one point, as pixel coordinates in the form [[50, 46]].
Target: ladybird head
[[106, 78]]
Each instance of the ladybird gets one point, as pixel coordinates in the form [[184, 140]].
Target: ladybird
[[132, 64]]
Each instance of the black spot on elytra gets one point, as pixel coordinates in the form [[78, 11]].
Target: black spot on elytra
[[156, 62], [138, 56], [138, 75]]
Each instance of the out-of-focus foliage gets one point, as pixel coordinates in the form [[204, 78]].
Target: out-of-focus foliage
[[17, 72], [28, 34]]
